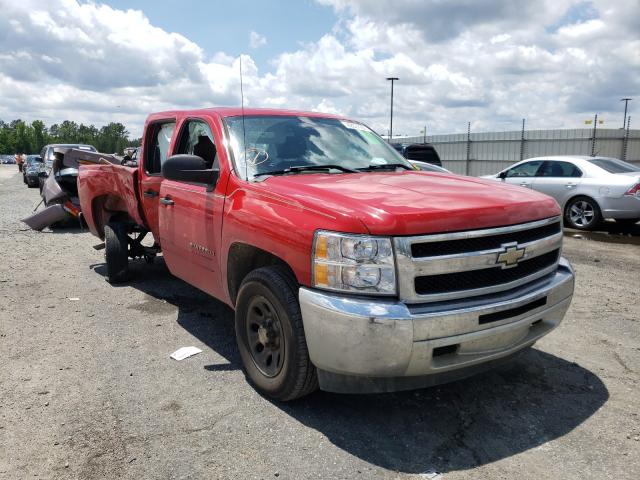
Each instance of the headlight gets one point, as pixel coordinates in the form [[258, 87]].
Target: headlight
[[353, 263]]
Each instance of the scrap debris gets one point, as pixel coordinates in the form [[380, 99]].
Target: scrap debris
[[185, 352]]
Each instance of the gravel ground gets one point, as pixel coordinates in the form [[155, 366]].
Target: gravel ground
[[88, 390]]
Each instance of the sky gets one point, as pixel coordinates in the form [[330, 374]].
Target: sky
[[553, 62]]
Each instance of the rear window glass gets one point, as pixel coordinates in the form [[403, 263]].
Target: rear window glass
[[613, 165]]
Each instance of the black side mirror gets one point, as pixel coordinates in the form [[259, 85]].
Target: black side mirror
[[189, 168], [502, 175]]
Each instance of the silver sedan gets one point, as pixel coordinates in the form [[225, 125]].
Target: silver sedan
[[588, 189]]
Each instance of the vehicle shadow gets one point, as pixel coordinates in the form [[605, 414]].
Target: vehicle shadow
[[524, 404], [609, 232]]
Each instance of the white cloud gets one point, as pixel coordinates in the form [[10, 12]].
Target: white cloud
[[327, 106], [256, 40], [503, 37], [458, 61]]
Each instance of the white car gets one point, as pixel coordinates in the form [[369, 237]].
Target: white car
[[588, 189]]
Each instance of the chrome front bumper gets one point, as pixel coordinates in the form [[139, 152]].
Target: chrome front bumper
[[370, 345]]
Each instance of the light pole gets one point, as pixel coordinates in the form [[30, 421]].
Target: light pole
[[393, 79], [626, 102]]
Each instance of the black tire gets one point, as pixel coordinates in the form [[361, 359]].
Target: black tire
[[116, 252], [582, 213], [627, 222], [273, 291]]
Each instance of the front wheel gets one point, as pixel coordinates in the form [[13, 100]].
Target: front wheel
[[116, 252], [582, 213], [270, 335]]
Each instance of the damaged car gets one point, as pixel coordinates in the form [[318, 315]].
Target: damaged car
[[59, 190], [47, 155]]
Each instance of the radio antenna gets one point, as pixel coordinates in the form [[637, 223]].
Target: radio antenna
[[244, 135]]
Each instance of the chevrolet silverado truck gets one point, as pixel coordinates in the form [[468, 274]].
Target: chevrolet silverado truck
[[347, 268]]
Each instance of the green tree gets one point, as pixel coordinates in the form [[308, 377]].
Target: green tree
[[22, 141], [19, 136], [40, 135], [68, 132]]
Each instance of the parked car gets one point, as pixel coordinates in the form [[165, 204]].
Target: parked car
[[420, 152], [429, 167], [588, 189], [346, 267], [32, 170]]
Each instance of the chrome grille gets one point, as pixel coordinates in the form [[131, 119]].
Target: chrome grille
[[474, 244], [470, 263]]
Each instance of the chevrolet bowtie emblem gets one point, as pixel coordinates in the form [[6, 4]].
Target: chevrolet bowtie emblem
[[511, 256]]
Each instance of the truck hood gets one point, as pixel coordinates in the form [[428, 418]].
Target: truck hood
[[410, 203]]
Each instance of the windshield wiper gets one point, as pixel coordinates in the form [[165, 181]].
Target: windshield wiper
[[386, 166], [304, 168]]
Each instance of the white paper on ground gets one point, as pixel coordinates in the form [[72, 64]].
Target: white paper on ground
[[185, 352], [431, 475]]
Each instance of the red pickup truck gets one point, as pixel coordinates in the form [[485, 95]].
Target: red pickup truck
[[346, 267]]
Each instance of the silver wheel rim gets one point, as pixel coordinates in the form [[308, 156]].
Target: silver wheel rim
[[582, 213]]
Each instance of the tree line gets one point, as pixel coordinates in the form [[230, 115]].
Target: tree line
[[19, 136]]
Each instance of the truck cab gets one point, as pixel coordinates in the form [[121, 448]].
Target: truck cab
[[347, 268]]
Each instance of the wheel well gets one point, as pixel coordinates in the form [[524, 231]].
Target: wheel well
[[243, 259], [564, 208], [108, 208]]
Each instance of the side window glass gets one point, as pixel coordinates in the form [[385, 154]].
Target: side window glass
[[574, 171], [527, 169], [560, 170], [158, 150], [196, 139]]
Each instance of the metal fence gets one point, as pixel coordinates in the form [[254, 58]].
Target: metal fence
[[489, 152]]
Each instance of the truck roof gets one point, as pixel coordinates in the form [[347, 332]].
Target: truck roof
[[237, 111]]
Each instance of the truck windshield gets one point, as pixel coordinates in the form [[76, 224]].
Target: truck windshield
[[278, 143]]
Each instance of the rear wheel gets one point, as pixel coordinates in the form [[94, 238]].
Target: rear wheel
[[582, 213], [271, 337], [116, 252]]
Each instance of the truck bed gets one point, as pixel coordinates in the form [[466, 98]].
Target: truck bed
[[106, 190]]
